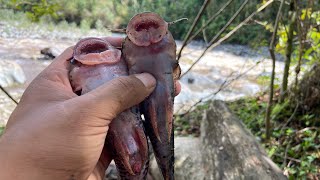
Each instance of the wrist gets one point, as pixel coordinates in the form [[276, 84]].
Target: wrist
[[22, 163]]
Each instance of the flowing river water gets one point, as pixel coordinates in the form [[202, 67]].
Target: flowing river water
[[234, 71]]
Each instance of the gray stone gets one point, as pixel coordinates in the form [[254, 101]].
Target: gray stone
[[50, 52], [111, 172], [230, 151], [187, 160], [225, 150], [188, 163], [11, 73]]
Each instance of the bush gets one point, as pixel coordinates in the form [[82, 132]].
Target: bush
[[116, 14], [293, 146]]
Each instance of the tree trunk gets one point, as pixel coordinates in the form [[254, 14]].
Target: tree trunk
[[273, 57], [284, 85], [229, 151]]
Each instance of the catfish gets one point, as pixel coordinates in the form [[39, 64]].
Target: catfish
[[149, 47], [95, 62]]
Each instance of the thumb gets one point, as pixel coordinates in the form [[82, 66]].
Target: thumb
[[119, 94]]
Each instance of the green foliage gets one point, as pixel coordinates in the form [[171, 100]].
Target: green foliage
[[263, 80], [311, 52], [1, 130], [278, 109], [85, 24], [294, 147], [252, 33], [189, 124], [10, 15], [34, 9], [116, 14], [99, 25], [251, 112]]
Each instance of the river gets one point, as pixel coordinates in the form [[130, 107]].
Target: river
[[234, 71]]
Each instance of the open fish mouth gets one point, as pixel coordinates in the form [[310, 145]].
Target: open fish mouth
[[95, 62], [150, 47]]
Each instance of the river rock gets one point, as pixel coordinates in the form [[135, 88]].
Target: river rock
[[51, 53], [230, 151], [11, 73], [187, 160], [111, 172]]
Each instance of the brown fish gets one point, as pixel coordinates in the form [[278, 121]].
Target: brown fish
[[149, 47], [95, 62]]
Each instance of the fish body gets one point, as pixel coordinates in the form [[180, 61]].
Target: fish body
[[94, 63], [157, 56]]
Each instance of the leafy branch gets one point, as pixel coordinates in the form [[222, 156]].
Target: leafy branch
[[203, 7]]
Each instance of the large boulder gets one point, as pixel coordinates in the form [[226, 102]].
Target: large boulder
[[11, 73], [188, 163], [230, 151], [225, 150]]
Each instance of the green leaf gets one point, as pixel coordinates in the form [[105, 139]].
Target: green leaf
[[289, 131], [305, 13], [1, 130], [272, 151]]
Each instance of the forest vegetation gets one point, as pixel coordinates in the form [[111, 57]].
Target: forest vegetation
[[116, 14], [286, 117]]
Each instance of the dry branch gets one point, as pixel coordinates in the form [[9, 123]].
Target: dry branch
[[184, 43], [176, 21], [222, 86], [209, 48], [8, 94], [208, 22], [213, 40]]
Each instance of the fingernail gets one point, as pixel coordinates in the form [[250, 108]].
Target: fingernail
[[147, 79]]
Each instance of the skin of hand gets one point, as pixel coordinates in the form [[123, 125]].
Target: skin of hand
[[55, 134]]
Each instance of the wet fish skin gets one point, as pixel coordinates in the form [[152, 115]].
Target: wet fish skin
[[95, 63], [157, 57]]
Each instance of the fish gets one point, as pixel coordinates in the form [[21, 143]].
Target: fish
[[150, 47], [95, 62]]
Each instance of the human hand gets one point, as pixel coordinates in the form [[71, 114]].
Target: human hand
[[55, 134]]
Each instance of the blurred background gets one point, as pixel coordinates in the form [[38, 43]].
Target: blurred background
[[227, 58]]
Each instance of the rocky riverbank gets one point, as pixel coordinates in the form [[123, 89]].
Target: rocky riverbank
[[241, 68]]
